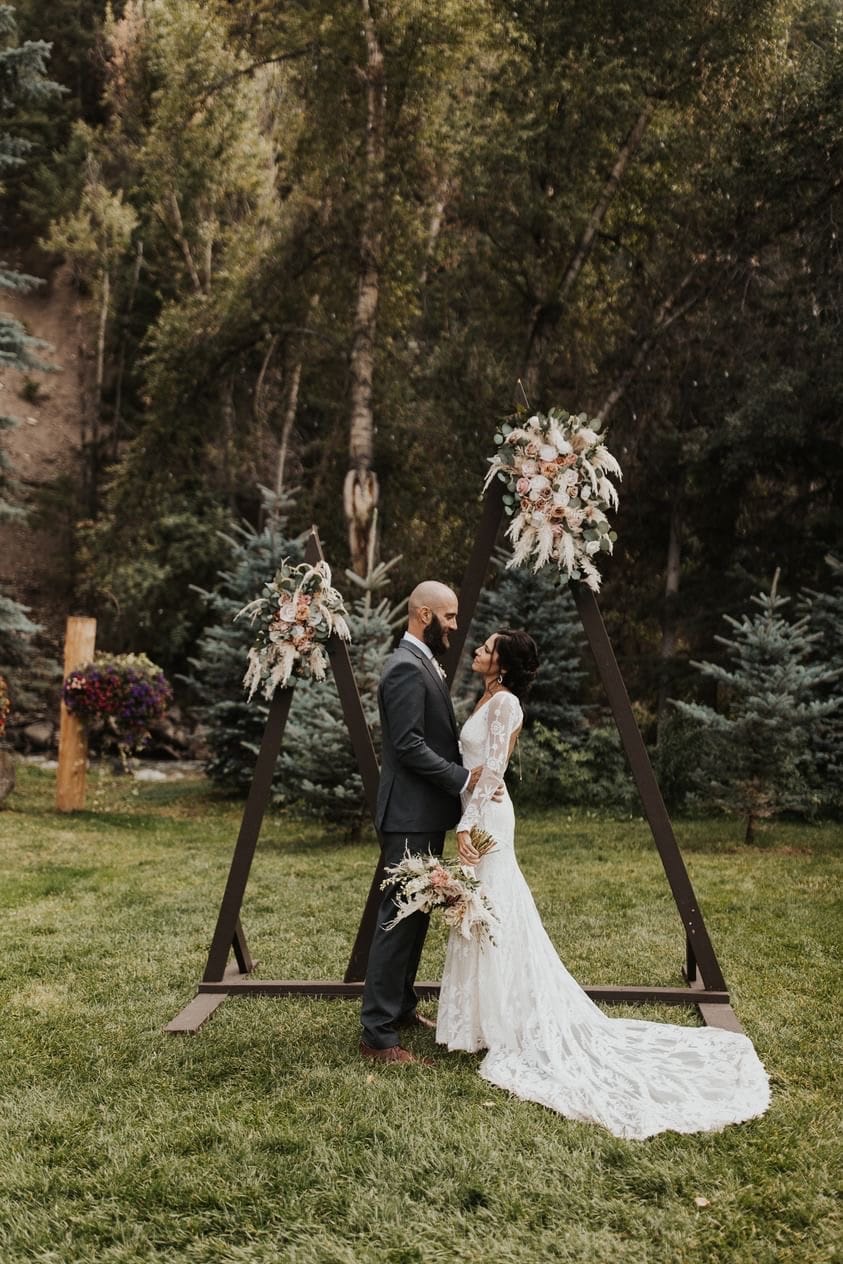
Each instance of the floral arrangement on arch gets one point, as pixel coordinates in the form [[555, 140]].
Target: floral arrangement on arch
[[555, 467], [5, 705], [295, 615], [125, 693]]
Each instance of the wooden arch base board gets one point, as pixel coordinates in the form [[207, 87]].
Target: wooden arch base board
[[705, 984]]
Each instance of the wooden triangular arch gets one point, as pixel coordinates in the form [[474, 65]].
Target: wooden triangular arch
[[706, 986]]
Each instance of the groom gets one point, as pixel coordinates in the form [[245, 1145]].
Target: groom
[[421, 779]]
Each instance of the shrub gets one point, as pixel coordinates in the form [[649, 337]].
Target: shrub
[[553, 772]]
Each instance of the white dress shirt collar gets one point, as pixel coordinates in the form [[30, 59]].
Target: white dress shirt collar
[[414, 640]]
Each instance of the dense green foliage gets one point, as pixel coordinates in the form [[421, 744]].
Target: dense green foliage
[[121, 1144], [633, 209]]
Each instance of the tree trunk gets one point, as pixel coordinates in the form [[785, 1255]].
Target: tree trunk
[[121, 363], [181, 239], [361, 492], [100, 369], [540, 322], [671, 593], [286, 430], [229, 424], [434, 228]]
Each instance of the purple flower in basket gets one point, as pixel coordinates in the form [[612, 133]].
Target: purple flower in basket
[[125, 690]]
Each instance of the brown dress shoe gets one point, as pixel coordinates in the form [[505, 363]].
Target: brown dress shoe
[[417, 1020], [394, 1054]]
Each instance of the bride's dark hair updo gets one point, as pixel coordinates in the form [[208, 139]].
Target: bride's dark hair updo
[[518, 658]]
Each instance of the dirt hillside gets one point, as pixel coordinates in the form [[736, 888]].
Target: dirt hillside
[[43, 447]]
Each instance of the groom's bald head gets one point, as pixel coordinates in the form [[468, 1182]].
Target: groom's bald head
[[431, 595], [432, 613]]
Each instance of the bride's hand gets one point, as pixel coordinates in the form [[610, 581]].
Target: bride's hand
[[468, 855]]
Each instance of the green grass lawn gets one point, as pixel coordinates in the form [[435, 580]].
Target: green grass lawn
[[265, 1138]]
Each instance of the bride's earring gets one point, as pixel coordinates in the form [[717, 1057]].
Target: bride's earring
[[500, 679]]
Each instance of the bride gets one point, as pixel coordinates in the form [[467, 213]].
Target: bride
[[546, 1041]]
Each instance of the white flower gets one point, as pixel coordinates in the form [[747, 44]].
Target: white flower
[[547, 452], [566, 545]]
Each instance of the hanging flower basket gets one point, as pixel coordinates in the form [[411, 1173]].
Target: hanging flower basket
[[293, 618], [120, 693], [555, 467]]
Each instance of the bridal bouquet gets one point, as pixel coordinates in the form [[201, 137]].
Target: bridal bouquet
[[555, 468], [295, 615], [424, 883]]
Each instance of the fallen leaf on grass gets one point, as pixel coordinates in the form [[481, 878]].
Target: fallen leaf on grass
[[699, 1201], [370, 1079]]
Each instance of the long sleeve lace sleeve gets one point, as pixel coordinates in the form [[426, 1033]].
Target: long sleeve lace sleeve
[[503, 719]]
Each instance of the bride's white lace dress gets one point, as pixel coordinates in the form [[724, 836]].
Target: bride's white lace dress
[[546, 1040]]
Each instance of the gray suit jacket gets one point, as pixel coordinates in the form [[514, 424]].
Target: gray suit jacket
[[421, 773]]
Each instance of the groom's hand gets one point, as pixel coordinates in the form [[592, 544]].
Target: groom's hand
[[475, 777]]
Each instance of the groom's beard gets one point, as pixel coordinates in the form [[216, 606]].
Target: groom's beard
[[436, 637]]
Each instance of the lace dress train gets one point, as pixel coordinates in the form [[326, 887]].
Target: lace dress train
[[546, 1041]]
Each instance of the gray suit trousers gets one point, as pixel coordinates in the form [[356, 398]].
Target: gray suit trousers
[[388, 993]]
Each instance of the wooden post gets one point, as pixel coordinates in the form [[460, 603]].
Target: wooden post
[[79, 641]]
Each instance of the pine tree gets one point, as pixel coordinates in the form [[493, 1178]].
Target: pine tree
[[760, 761], [235, 726], [825, 618], [23, 80], [317, 766], [316, 769], [542, 604]]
